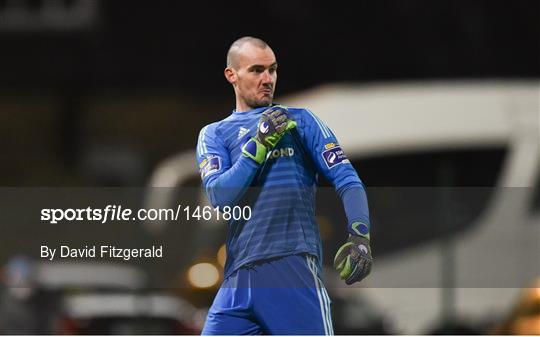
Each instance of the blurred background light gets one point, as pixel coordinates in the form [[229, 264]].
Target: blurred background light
[[203, 275], [222, 255]]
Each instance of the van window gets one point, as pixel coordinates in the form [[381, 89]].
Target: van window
[[417, 197]]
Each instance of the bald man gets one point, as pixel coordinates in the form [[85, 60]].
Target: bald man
[[267, 157]]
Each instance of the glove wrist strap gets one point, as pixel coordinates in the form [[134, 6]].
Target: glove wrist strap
[[255, 150]]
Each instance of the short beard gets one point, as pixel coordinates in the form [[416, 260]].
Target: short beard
[[259, 103]]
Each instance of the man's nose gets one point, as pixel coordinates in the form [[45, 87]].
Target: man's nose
[[266, 77]]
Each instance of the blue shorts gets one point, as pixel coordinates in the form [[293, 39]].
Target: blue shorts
[[281, 296]]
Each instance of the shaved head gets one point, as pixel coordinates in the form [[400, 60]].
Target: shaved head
[[252, 71], [236, 47]]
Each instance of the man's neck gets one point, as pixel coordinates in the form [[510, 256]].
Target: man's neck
[[242, 107]]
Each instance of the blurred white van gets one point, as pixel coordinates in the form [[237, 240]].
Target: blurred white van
[[453, 177]]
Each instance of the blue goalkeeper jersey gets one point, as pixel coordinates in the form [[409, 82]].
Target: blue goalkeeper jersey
[[280, 192]]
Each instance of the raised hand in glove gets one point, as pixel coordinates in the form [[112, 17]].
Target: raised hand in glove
[[353, 259], [272, 126]]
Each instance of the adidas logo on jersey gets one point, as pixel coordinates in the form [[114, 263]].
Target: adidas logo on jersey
[[242, 132]]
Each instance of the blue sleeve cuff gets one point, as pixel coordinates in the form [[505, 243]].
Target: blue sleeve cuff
[[356, 208]]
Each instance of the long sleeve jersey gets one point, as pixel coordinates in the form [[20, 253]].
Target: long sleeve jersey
[[281, 191]]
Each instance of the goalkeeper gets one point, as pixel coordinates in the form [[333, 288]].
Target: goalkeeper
[[268, 156]]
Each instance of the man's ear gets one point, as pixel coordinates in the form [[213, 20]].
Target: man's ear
[[230, 75]]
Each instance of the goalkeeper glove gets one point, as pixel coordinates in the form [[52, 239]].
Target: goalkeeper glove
[[272, 126], [353, 259]]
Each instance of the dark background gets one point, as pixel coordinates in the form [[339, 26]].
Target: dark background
[[143, 78], [103, 102]]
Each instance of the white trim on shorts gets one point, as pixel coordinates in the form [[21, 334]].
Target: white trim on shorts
[[324, 299]]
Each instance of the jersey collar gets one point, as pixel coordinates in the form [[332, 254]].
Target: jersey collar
[[252, 111]]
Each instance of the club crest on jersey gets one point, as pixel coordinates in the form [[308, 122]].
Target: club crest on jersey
[[329, 146], [210, 165], [334, 155]]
